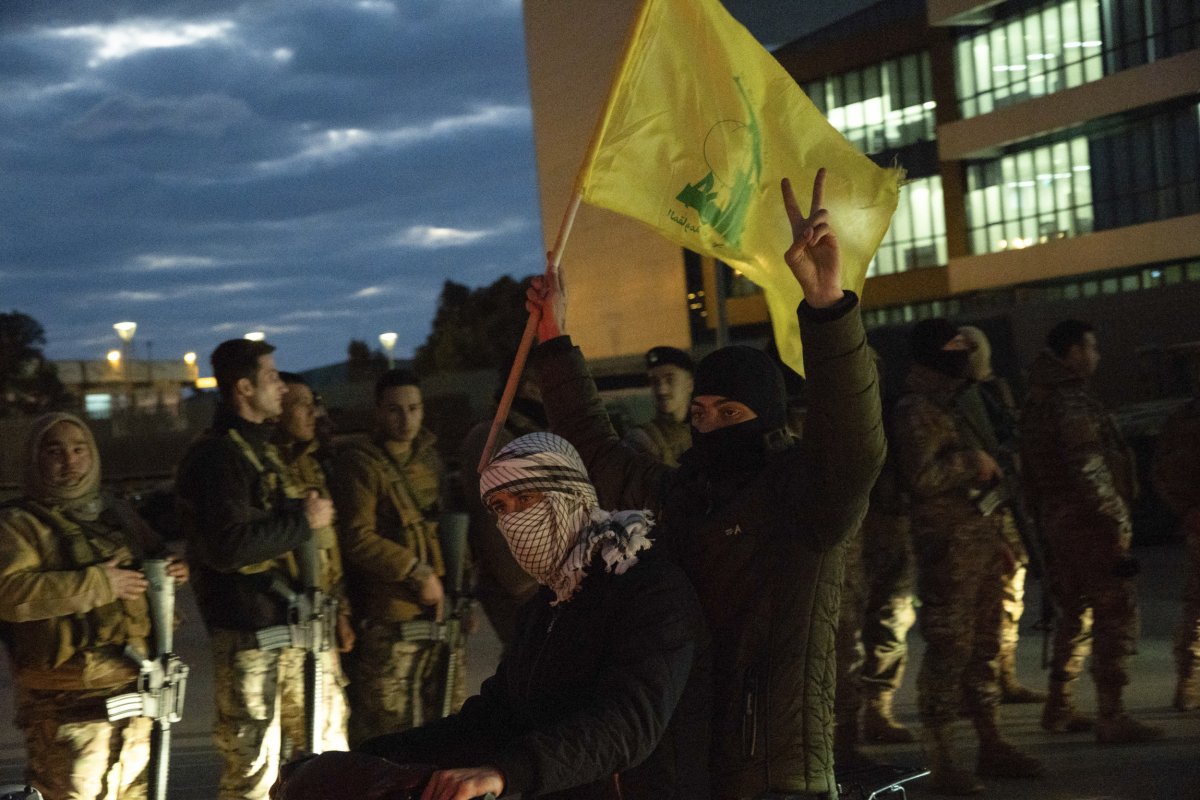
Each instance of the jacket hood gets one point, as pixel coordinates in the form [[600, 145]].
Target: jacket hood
[[1048, 369]]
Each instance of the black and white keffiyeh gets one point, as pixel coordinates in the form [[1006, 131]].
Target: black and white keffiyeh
[[556, 539]]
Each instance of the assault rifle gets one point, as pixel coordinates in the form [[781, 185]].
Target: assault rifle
[[1007, 493], [311, 627], [161, 680], [452, 533]]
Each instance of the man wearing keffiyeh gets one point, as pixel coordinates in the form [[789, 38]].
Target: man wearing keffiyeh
[[607, 682]]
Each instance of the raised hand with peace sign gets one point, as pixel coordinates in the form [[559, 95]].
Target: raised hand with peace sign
[[814, 257]]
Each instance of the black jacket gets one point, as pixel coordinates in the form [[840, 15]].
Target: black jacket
[[615, 680], [763, 549], [234, 523]]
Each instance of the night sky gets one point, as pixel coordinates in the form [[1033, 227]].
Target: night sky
[[314, 169]]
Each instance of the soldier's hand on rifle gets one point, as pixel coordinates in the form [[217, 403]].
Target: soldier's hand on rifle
[[345, 633], [177, 568], [546, 297], [989, 469], [464, 784], [317, 510], [430, 592], [127, 584], [814, 257]]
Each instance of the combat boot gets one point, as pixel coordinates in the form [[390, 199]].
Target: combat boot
[[1059, 714], [946, 776], [879, 725], [1011, 689], [1114, 726], [998, 758]]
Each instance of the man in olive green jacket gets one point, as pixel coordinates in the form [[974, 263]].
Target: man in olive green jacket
[[388, 495], [754, 521]]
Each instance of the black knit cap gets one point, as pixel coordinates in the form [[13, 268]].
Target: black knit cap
[[659, 356], [927, 338], [749, 376]]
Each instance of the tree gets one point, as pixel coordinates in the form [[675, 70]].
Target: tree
[[28, 382], [474, 328], [362, 363]]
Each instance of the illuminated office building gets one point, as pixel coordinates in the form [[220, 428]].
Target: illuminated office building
[[1052, 151]]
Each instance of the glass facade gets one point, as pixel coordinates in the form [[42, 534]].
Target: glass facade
[[1057, 45], [917, 236], [1128, 171], [881, 107]]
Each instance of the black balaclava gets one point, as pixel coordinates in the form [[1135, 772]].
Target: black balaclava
[[749, 376], [926, 341]]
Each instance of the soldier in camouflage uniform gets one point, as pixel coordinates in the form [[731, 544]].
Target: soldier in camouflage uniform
[[296, 441], [873, 622], [1081, 476], [389, 496], [71, 605], [668, 435], [989, 403], [1177, 480], [243, 519], [958, 552]]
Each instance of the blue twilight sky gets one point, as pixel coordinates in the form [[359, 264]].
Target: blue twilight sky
[[314, 169]]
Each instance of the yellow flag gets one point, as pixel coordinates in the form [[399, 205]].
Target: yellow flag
[[701, 125]]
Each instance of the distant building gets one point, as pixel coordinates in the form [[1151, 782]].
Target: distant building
[[1052, 152], [106, 389]]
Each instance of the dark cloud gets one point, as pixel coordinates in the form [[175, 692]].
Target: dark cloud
[[315, 170]]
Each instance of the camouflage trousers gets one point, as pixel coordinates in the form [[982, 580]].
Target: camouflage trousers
[[876, 613], [890, 581], [72, 757], [260, 711], [1187, 635], [395, 684], [959, 587], [1098, 613]]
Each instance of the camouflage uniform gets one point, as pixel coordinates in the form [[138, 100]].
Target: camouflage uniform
[[662, 438], [1177, 480], [989, 410], [304, 472], [958, 554], [1081, 476], [501, 587], [876, 614], [388, 500], [240, 512], [63, 679]]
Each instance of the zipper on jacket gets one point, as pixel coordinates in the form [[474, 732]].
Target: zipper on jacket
[[538, 658], [750, 714]]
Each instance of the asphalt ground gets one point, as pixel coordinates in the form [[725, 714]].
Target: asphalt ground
[[1077, 767]]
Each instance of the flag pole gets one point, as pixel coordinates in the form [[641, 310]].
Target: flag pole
[[531, 324]]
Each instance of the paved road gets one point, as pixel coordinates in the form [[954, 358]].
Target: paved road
[[1079, 769]]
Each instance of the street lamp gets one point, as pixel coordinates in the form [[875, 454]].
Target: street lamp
[[255, 336], [125, 331], [114, 358], [189, 358], [388, 340]]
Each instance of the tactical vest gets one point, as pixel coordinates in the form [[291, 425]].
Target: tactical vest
[[50, 643], [303, 474], [274, 485], [417, 507]]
